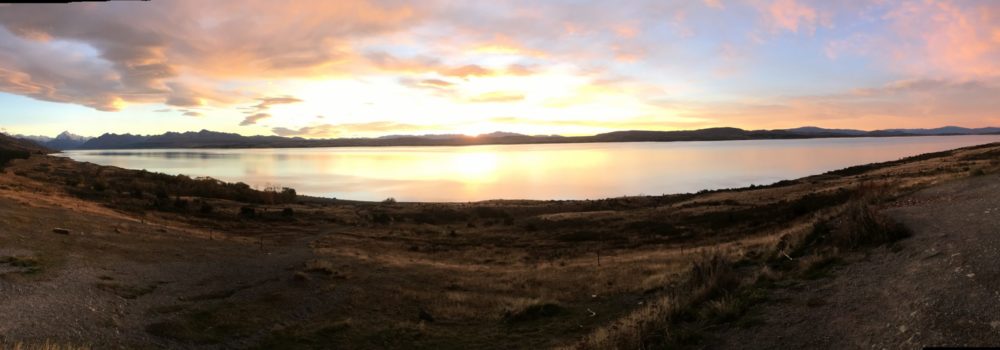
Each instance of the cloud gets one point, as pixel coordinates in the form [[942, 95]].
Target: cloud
[[191, 113], [267, 102], [105, 56], [945, 38], [264, 104], [520, 70], [434, 84], [715, 4], [497, 97], [253, 119], [338, 130], [915, 102], [792, 16], [885, 58], [423, 64], [469, 70], [633, 123]]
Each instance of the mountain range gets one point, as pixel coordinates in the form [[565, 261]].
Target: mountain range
[[63, 141], [211, 139]]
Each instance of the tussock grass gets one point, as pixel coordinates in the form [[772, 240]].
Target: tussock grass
[[711, 292], [865, 225]]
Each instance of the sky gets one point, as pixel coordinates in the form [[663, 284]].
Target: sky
[[366, 68]]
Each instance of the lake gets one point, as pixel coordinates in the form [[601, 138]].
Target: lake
[[552, 171]]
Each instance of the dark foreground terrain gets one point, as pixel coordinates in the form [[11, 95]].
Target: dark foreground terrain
[[101, 257]]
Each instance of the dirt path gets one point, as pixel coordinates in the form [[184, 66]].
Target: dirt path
[[940, 287]]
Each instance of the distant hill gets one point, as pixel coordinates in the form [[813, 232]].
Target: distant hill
[[63, 141], [812, 130], [948, 130], [211, 139]]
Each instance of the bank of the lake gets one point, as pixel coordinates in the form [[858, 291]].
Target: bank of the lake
[[550, 171]]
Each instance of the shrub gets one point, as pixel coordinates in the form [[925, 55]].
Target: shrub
[[206, 208], [99, 186], [248, 212], [865, 225]]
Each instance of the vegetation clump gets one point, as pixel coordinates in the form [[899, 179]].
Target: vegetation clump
[[21, 264], [7, 155], [531, 311]]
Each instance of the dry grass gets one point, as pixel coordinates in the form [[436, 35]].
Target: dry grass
[[707, 293], [46, 345]]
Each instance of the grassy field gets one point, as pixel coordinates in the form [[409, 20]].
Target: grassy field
[[153, 260]]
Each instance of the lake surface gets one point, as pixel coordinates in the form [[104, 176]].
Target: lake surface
[[554, 171]]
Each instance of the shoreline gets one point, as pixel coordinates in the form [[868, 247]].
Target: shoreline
[[566, 140], [389, 195]]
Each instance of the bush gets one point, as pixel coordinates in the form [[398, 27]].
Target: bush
[[248, 212], [7, 155]]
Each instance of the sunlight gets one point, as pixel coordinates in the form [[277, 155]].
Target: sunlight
[[475, 166]]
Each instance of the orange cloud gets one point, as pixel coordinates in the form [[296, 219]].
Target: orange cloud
[[792, 16]]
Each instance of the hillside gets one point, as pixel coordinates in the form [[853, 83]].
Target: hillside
[[10, 143]]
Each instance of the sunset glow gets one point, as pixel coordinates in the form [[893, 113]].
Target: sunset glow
[[324, 69]]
